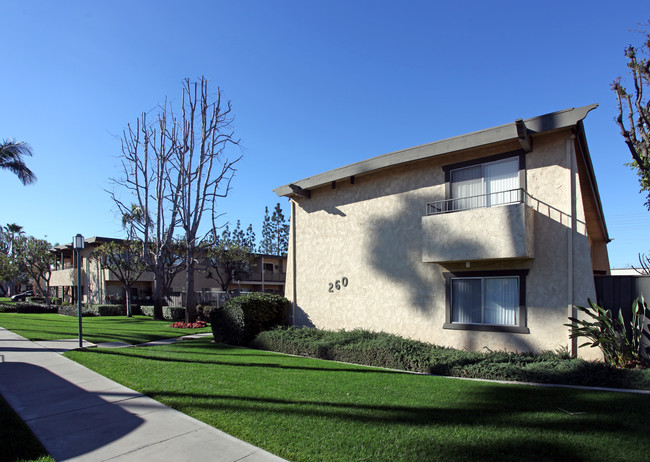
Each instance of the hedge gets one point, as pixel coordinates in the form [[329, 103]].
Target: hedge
[[32, 307], [172, 313], [391, 351], [97, 310], [227, 324], [245, 316]]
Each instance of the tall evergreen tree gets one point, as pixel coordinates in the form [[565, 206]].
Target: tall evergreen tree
[[266, 245], [275, 232]]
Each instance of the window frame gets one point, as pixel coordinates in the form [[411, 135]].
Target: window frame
[[521, 327]]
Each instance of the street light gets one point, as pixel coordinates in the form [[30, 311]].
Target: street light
[[78, 245]]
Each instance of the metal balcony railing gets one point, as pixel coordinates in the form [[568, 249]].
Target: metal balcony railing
[[511, 196]]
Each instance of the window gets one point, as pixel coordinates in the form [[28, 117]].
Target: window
[[485, 300], [268, 267], [490, 300], [484, 183]]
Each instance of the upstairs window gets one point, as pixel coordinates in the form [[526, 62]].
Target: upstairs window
[[485, 185]]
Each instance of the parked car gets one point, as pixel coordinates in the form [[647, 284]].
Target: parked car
[[22, 296]]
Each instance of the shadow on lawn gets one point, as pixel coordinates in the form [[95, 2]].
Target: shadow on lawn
[[138, 354], [495, 405], [507, 423]]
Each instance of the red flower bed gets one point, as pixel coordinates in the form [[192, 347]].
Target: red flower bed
[[189, 325]]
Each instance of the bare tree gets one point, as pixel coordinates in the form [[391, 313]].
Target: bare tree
[[151, 212], [204, 170], [174, 171], [633, 116]]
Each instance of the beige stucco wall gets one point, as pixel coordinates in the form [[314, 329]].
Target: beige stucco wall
[[370, 233], [503, 232]]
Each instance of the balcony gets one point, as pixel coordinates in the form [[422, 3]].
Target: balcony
[[147, 276], [65, 277], [256, 276], [496, 226]]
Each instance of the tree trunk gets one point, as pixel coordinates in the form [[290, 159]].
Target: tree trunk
[[190, 305], [129, 311], [158, 297]]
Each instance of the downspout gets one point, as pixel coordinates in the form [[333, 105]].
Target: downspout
[[262, 273], [293, 261], [571, 311]]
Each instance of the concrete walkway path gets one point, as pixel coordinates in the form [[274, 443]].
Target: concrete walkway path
[[80, 415]]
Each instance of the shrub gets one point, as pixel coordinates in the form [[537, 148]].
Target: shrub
[[620, 343], [171, 313], [203, 312], [387, 350], [108, 310], [96, 310], [32, 307], [262, 311], [73, 310], [227, 324]]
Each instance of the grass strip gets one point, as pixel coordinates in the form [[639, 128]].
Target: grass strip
[[17, 442], [314, 410], [50, 326]]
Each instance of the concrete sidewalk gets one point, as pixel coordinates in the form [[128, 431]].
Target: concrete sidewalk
[[80, 415]]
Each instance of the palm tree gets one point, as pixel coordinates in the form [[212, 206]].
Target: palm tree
[[11, 158]]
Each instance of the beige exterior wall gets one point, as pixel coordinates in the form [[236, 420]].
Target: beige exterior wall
[[370, 235]]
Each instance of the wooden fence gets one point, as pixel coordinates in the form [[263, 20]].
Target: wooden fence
[[618, 293]]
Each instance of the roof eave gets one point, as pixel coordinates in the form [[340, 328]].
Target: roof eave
[[535, 125]]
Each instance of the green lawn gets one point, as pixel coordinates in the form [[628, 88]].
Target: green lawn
[[17, 442], [313, 410], [138, 329]]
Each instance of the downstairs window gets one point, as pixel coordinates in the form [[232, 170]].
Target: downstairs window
[[491, 300]]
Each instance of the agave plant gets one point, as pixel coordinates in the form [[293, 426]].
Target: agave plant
[[619, 342]]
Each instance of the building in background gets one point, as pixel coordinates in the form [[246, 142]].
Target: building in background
[[99, 285]]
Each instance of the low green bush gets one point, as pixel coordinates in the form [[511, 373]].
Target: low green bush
[[73, 310], [96, 310], [391, 351], [32, 307], [262, 311], [227, 324], [203, 312], [171, 313]]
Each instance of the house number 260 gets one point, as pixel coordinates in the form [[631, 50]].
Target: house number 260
[[338, 284]]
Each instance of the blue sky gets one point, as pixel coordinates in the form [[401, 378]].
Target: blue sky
[[313, 85]]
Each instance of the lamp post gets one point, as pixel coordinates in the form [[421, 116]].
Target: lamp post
[[77, 245]]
